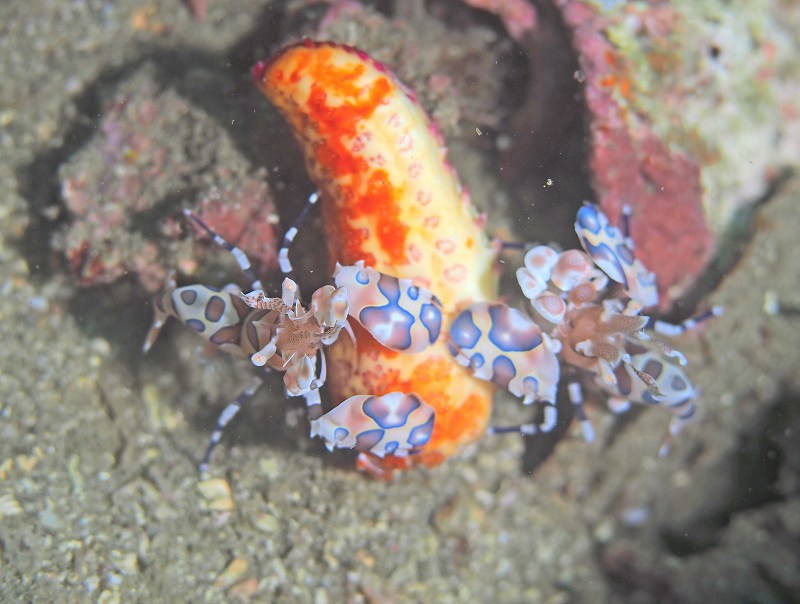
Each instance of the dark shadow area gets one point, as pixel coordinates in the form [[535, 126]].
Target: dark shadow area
[[548, 136], [634, 579], [263, 423], [119, 313], [780, 590], [538, 448], [748, 479]]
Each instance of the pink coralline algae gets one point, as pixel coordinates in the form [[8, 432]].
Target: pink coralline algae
[[518, 16], [123, 191], [631, 164], [691, 109], [240, 214], [199, 9]]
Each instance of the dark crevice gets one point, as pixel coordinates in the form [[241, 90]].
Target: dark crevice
[[539, 447], [39, 185], [779, 589], [748, 480], [146, 222], [633, 579], [548, 135], [119, 313]]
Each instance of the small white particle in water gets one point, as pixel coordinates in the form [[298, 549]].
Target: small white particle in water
[[100, 346], [681, 479], [73, 86], [38, 303], [636, 516], [503, 142], [771, 306]]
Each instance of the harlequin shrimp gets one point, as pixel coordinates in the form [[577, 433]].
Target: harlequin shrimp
[[608, 338], [500, 344], [281, 334]]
